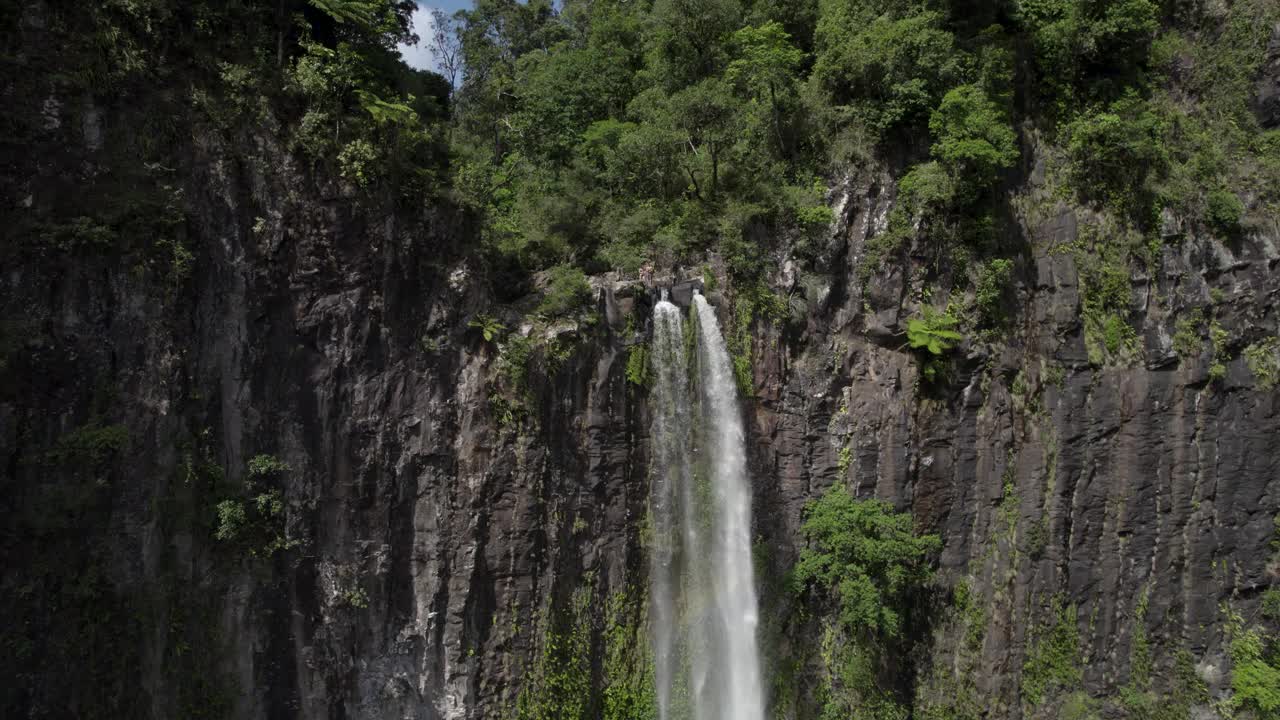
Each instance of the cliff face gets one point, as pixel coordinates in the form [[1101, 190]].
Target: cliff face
[[425, 536], [1144, 495], [456, 539]]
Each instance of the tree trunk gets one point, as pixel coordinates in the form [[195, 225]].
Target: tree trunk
[[777, 120], [697, 192], [280, 28], [715, 169]]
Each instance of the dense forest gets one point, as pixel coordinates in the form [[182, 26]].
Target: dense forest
[[612, 135], [308, 396]]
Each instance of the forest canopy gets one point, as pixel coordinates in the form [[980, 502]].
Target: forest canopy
[[614, 134], [609, 134]]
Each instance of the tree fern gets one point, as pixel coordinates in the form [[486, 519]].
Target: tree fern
[[360, 12], [932, 331]]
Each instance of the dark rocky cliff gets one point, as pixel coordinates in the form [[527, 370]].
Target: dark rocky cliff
[[435, 539]]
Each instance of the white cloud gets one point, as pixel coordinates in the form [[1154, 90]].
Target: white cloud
[[419, 56]]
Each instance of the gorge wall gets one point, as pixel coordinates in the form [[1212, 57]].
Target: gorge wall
[[461, 532]]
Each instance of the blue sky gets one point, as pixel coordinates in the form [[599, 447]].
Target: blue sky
[[419, 56]]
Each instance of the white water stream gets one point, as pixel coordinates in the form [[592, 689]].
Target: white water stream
[[702, 591]]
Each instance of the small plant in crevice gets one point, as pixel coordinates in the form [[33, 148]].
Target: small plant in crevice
[[355, 598], [266, 465], [1038, 538], [1263, 359], [1055, 375], [1007, 510], [844, 458], [968, 606], [709, 281], [1167, 695], [1220, 339], [949, 690], [489, 327], [256, 520], [932, 333], [637, 371], [1187, 341], [557, 683], [1270, 607], [90, 446], [992, 292], [628, 659], [509, 393], [752, 302], [430, 345], [556, 352], [1106, 294], [1136, 695]]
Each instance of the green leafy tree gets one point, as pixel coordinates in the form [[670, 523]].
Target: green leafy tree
[[867, 557], [360, 12], [495, 34], [1223, 210], [567, 291], [362, 107], [705, 118], [974, 139], [1255, 668], [766, 66], [1093, 48], [1115, 154], [882, 69], [256, 520], [868, 563], [687, 42], [1053, 662], [561, 92]]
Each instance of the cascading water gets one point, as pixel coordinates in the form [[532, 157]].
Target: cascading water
[[733, 580], [671, 473], [702, 590]]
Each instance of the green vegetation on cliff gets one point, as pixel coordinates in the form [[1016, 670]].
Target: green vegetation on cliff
[[868, 570]]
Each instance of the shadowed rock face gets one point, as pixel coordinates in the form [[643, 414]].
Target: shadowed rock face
[[1267, 100], [340, 346], [435, 543]]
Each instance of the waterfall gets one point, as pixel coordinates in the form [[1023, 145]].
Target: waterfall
[[671, 473], [702, 591], [733, 581]]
